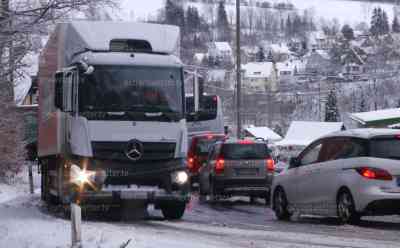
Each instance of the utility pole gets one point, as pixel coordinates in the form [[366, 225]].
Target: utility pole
[[238, 72]]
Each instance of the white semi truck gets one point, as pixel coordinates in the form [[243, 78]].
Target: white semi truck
[[112, 115]]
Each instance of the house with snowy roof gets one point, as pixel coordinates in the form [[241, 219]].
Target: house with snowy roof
[[303, 133], [260, 76], [318, 61], [221, 52], [377, 119], [264, 133]]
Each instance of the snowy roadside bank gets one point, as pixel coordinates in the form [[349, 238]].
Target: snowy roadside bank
[[19, 185]]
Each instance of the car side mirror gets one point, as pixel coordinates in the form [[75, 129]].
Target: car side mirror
[[294, 162]]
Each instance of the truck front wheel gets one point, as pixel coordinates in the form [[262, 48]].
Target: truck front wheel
[[173, 211]]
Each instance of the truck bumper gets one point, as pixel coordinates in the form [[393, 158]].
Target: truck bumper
[[149, 197]]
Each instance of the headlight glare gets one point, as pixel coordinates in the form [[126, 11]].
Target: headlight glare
[[180, 177]]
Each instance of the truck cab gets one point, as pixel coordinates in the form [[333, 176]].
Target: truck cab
[[112, 121]]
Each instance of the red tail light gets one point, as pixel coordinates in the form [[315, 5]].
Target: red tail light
[[246, 142], [374, 173], [270, 165], [219, 166], [190, 162]]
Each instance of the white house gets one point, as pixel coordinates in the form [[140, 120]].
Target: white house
[[220, 51], [260, 76]]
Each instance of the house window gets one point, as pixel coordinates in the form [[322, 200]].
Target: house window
[[356, 68]]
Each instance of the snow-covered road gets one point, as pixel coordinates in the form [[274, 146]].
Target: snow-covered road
[[24, 222]]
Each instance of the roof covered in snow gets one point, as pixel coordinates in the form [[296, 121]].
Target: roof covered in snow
[[258, 69], [97, 34], [385, 115], [279, 48], [222, 46], [303, 133], [263, 132]]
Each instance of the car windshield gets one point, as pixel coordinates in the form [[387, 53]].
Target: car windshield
[[204, 144], [129, 88], [244, 151], [385, 148]]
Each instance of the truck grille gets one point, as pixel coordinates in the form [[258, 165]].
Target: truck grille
[[151, 151]]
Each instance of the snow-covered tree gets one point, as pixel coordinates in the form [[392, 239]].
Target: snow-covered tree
[[331, 108], [379, 22], [19, 23], [395, 25]]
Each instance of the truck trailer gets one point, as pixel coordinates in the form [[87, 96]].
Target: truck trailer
[[111, 116]]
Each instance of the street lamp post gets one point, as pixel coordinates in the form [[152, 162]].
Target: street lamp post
[[238, 71]]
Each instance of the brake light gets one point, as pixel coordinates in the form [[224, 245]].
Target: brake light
[[246, 142], [210, 136], [270, 165], [374, 173], [219, 166], [190, 162]]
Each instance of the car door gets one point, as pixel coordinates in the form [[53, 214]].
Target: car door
[[306, 188], [324, 174], [342, 150]]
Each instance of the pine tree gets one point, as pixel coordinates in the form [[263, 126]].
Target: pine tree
[[331, 109], [385, 23], [260, 55], [224, 32], [396, 25], [375, 19], [174, 14], [363, 104], [289, 27]]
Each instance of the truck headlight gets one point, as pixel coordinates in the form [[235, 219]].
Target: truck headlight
[[180, 177], [80, 177]]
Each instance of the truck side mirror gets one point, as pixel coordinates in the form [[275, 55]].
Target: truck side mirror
[[294, 162]]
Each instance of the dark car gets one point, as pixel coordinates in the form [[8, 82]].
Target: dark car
[[237, 167], [198, 152]]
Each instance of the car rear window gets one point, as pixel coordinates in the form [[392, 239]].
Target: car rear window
[[204, 144], [244, 151], [385, 148]]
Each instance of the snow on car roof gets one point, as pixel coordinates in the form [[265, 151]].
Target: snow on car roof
[[385, 114], [365, 133], [303, 133], [264, 132]]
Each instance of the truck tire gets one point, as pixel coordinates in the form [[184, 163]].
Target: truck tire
[[173, 211]]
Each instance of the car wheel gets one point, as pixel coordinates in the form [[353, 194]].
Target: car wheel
[[346, 209], [173, 211], [281, 205]]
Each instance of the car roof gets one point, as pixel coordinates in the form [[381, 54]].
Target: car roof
[[364, 133], [236, 141]]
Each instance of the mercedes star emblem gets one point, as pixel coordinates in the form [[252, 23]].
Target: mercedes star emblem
[[134, 150]]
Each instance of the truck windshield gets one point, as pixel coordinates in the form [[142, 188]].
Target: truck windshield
[[132, 89]]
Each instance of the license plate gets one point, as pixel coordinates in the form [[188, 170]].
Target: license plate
[[398, 181], [247, 172]]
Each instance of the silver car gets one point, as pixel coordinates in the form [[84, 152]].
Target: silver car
[[346, 174], [237, 167]]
